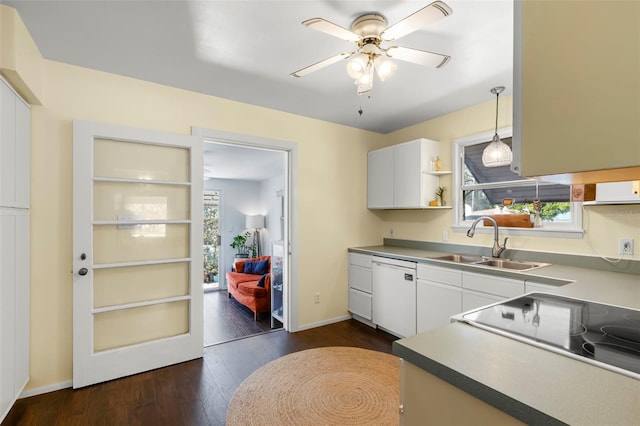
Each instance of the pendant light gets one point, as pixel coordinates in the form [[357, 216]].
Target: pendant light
[[497, 153]]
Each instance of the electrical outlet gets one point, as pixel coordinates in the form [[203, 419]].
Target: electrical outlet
[[316, 298], [445, 236], [625, 246]]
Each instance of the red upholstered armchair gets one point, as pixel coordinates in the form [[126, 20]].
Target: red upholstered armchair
[[250, 284]]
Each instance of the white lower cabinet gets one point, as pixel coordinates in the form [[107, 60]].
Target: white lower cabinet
[[14, 306], [474, 299], [360, 285], [394, 296], [438, 296], [481, 289]]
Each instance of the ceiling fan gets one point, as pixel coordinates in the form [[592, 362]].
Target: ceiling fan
[[368, 32]]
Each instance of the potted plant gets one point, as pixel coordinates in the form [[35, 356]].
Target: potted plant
[[239, 243], [440, 194]]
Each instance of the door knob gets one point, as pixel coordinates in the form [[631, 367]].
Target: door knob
[[83, 271]]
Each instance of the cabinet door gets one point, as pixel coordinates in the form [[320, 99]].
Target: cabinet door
[[499, 286], [435, 304], [472, 300], [14, 149], [380, 179], [618, 192], [360, 303], [7, 310], [407, 165], [360, 278], [597, 103]]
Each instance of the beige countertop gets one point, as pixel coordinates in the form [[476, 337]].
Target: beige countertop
[[520, 379]]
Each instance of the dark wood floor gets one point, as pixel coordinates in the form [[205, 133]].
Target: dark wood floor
[[225, 319], [192, 393]]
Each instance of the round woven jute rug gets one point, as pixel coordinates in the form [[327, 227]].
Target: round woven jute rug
[[323, 386]]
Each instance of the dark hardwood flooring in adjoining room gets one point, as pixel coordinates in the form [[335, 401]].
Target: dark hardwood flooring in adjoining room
[[192, 393], [225, 319]]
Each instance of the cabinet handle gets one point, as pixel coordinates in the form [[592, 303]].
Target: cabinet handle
[[83, 271]]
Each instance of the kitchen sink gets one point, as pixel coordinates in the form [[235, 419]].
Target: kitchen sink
[[513, 265], [517, 265], [459, 258]]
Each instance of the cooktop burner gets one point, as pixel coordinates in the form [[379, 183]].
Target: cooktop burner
[[603, 335]]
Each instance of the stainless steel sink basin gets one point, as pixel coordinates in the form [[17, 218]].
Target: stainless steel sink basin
[[514, 265], [459, 258], [517, 265]]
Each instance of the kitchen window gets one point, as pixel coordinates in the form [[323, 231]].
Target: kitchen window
[[483, 191]]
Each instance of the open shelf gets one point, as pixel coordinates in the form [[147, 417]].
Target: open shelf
[[438, 173]]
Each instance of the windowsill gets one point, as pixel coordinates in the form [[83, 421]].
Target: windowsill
[[531, 232]]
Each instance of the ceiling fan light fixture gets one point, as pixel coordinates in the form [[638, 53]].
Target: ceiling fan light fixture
[[384, 67], [357, 66], [497, 153], [365, 83]]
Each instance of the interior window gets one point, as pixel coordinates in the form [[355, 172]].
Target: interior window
[[484, 190]]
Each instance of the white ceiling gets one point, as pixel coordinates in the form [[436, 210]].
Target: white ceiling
[[245, 50]]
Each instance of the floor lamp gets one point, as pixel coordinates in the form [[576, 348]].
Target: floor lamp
[[256, 223]]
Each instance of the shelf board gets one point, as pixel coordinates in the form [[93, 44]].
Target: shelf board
[[436, 207], [438, 173]]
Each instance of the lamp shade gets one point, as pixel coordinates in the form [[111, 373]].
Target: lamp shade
[[497, 153], [254, 222]]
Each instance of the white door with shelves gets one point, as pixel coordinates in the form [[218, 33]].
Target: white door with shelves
[[137, 251]]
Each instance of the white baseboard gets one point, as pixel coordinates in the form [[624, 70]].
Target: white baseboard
[[321, 323], [46, 389]]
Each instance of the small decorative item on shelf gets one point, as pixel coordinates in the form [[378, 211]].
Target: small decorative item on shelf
[[438, 164], [440, 195]]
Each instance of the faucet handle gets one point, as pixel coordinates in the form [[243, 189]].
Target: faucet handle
[[504, 246]]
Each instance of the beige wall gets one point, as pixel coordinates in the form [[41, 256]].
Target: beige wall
[[333, 215]]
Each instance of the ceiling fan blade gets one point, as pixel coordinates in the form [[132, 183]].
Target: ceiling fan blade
[[420, 57], [318, 65], [423, 17], [331, 29]]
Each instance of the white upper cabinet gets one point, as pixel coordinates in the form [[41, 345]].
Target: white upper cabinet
[[380, 179], [399, 176], [576, 89], [617, 193], [14, 149]]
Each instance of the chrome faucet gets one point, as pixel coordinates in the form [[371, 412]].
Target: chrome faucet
[[497, 249]]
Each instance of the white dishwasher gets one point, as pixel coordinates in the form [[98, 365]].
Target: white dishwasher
[[394, 295]]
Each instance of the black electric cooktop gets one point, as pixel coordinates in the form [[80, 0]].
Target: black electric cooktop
[[600, 334]]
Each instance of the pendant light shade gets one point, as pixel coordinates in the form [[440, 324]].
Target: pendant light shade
[[497, 153]]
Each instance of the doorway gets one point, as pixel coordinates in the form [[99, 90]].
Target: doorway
[[251, 182]]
